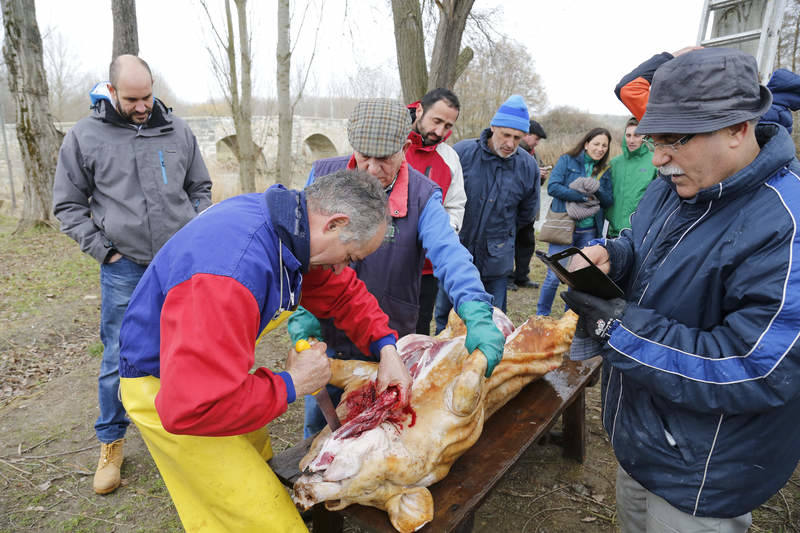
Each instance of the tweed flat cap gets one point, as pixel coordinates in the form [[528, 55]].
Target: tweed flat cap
[[378, 127], [704, 90]]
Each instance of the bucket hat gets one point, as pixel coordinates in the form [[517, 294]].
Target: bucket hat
[[704, 90], [378, 127]]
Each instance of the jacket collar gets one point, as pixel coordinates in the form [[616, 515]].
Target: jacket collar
[[289, 217], [398, 195], [104, 110]]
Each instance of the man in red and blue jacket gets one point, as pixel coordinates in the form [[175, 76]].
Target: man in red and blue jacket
[[188, 340]]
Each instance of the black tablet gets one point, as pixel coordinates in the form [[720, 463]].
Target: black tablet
[[588, 278]]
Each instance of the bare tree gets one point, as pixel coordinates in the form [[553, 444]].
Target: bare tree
[[126, 34], [789, 37], [39, 140], [498, 70], [447, 62], [286, 105], [67, 84], [235, 79], [283, 55]]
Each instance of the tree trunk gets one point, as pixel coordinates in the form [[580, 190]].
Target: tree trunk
[[39, 140], [126, 35], [284, 60], [243, 119], [444, 60], [410, 42]]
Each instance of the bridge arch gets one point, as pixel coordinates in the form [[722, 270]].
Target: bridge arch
[[318, 146], [226, 173]]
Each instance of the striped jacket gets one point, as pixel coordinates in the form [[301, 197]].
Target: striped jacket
[[701, 375]]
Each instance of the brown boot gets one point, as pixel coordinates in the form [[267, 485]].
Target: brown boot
[[107, 477]]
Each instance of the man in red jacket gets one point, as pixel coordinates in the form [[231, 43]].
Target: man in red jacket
[[433, 118]]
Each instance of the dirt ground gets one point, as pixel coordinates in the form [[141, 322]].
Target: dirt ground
[[49, 357]]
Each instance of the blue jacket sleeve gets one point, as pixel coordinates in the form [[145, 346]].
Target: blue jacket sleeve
[[452, 263], [748, 362], [557, 185]]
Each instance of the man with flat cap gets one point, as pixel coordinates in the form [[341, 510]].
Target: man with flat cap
[[701, 359], [378, 132]]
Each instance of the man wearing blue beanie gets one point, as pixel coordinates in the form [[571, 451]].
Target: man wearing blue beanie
[[502, 185]]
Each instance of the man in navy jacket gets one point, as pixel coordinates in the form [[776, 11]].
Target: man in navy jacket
[[701, 359], [502, 185]]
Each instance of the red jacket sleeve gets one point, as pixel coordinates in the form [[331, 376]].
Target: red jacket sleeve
[[633, 90], [346, 299], [209, 326], [635, 95]]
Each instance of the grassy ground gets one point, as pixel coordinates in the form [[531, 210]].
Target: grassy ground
[[49, 356]]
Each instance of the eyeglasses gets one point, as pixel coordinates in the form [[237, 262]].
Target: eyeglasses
[[652, 145]]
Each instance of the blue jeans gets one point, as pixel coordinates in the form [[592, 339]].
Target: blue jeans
[[580, 238], [117, 281], [494, 286]]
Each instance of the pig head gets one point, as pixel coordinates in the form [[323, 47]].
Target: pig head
[[386, 459]]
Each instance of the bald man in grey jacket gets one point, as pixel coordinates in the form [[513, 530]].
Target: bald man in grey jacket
[[128, 177]]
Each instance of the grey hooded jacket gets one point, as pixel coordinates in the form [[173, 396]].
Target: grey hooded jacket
[[127, 188]]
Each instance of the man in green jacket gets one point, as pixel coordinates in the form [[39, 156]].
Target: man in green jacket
[[631, 173]]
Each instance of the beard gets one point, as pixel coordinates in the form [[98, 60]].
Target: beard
[[129, 117]]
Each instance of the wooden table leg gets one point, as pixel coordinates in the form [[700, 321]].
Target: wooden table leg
[[325, 521], [466, 525], [575, 428]]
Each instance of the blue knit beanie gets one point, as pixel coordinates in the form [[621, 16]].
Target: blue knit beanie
[[512, 114]]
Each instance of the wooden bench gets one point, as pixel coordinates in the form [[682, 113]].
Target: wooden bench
[[506, 436]]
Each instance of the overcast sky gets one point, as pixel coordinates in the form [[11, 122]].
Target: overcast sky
[[580, 47]]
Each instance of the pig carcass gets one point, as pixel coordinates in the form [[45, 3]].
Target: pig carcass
[[386, 457]]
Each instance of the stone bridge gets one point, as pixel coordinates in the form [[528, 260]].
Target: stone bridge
[[312, 138]]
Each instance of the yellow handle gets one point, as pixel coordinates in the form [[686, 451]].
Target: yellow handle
[[300, 346]]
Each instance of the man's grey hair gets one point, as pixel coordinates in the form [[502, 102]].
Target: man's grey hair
[[355, 193]]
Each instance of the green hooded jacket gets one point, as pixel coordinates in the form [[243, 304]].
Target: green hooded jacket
[[631, 173]]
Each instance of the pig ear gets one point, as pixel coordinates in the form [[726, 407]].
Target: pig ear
[[411, 509]]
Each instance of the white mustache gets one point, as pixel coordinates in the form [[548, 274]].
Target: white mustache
[[670, 170]]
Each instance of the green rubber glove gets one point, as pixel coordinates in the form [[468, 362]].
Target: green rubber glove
[[303, 325], [482, 334]]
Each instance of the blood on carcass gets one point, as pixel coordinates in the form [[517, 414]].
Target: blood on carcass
[[366, 410]]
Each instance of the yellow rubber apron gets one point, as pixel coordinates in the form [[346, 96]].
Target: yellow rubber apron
[[218, 484]]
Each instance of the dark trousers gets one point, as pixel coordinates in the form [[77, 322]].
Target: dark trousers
[[524, 246], [427, 298]]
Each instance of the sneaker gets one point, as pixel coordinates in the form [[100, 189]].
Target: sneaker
[[528, 284], [107, 477]]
